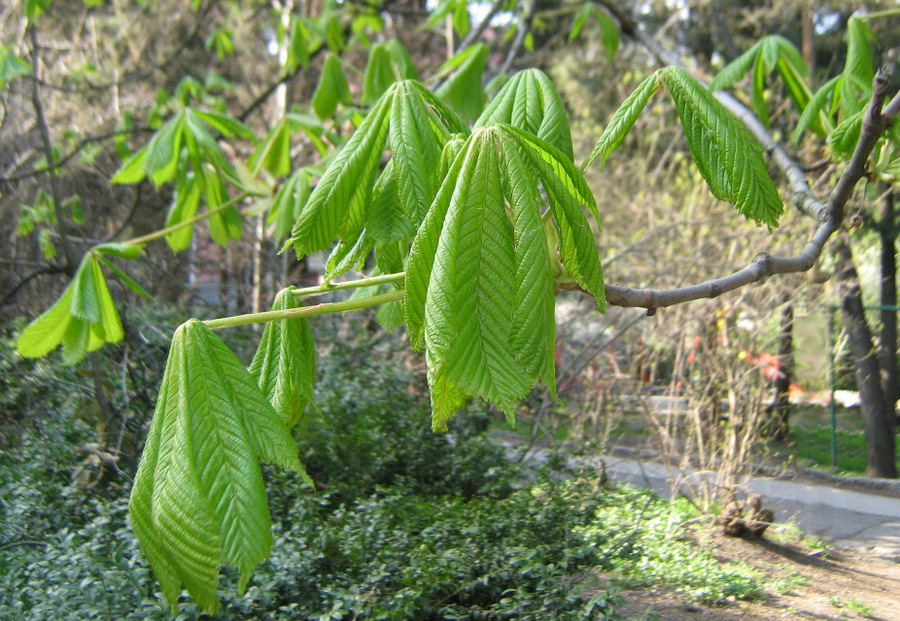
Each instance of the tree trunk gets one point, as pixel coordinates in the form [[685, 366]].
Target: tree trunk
[[887, 350], [878, 417], [781, 410]]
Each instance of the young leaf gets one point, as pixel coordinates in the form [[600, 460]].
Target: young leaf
[[845, 136], [815, 110], [185, 202], [11, 65], [289, 202], [274, 152], [125, 278], [622, 121], [132, 169], [467, 312], [285, 362], [530, 102], [298, 51], [198, 499], [379, 74], [609, 33], [568, 193], [415, 150], [331, 90], [586, 10], [735, 71], [725, 153], [120, 249], [344, 185], [164, 149], [46, 332], [463, 89]]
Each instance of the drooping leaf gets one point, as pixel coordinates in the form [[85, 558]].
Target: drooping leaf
[[415, 150], [530, 102], [463, 88], [568, 193], [289, 202], [845, 136], [622, 121], [226, 224], [298, 49], [815, 109], [184, 206], [758, 90], [467, 313], [163, 150], [198, 500], [726, 154], [344, 185], [609, 33], [735, 71], [125, 278], [859, 67], [587, 10], [12, 65], [285, 362], [82, 320], [379, 74], [132, 169], [388, 223], [274, 152], [331, 90]]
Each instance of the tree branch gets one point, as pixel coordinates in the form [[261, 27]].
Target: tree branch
[[829, 215]]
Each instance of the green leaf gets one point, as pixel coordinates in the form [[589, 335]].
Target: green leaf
[[388, 222], [467, 313], [34, 8], [609, 33], [461, 22], [225, 125], [274, 152], [441, 11], [123, 250], [224, 225], [12, 65], [184, 206], [298, 50], [735, 71], [198, 499], [379, 74], [586, 10], [415, 150], [815, 110], [125, 278], [45, 333], [345, 185], [289, 202], [758, 91], [164, 149], [463, 89], [285, 362], [844, 138], [424, 247], [859, 67], [726, 154], [568, 193], [622, 121], [530, 102], [331, 90], [132, 170]]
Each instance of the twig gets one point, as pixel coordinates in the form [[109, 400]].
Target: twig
[[521, 32]]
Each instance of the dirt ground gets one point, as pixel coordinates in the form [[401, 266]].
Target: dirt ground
[[837, 585]]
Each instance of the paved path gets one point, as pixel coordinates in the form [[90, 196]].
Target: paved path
[[848, 519]]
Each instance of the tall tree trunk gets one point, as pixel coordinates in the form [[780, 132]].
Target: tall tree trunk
[[778, 423], [878, 417], [887, 350]]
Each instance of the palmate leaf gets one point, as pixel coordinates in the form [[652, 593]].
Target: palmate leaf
[[342, 205], [198, 500], [285, 362], [82, 320], [530, 102], [479, 286], [725, 153]]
